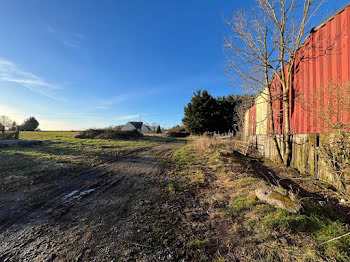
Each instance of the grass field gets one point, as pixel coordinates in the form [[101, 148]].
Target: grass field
[[60, 154], [63, 147]]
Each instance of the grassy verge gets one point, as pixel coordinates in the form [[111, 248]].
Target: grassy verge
[[238, 224]]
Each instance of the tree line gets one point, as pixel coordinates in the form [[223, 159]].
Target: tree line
[[29, 124], [204, 113]]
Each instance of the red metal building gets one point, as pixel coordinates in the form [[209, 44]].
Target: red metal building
[[323, 58]]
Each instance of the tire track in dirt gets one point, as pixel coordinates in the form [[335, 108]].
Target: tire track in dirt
[[94, 225]]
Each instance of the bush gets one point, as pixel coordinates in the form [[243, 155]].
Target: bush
[[178, 134], [29, 124], [178, 131], [108, 134], [203, 143]]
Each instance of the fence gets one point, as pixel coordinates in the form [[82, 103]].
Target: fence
[[9, 135]]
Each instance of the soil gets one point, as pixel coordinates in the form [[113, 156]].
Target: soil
[[93, 217]]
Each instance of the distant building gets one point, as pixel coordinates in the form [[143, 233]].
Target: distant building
[[139, 126]]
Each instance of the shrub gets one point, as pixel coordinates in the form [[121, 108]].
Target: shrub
[[178, 131], [203, 143], [108, 134], [30, 124], [335, 152], [178, 134]]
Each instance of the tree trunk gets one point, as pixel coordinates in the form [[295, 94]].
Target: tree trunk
[[286, 120], [276, 146]]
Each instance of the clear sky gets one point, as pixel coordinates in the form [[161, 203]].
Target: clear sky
[[83, 63]]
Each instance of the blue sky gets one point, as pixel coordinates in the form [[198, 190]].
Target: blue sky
[[83, 63]]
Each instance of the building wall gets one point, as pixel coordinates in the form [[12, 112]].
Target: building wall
[[261, 113], [246, 124]]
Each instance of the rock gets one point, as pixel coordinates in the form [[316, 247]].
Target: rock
[[277, 200]]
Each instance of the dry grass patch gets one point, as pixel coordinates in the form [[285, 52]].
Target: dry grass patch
[[203, 143], [250, 230]]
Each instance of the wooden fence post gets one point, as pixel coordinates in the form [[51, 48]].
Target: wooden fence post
[[17, 132]]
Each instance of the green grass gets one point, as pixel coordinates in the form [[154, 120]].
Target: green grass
[[46, 135], [68, 140], [64, 147], [318, 221], [195, 243], [24, 165], [184, 157], [188, 165], [241, 204]]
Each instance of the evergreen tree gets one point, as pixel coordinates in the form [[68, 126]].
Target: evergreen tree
[[159, 130], [30, 124], [222, 114], [201, 114]]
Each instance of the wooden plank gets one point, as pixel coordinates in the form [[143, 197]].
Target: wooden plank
[[242, 147]]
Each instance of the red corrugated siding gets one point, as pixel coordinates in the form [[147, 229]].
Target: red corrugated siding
[[323, 58]]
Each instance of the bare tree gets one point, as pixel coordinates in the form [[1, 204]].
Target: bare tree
[[290, 19], [5, 121], [263, 47], [249, 53]]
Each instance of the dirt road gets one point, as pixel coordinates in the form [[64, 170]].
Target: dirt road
[[94, 217]]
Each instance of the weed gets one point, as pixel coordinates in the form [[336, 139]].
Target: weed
[[171, 188], [219, 259], [196, 243], [320, 222], [251, 223], [246, 182], [197, 177], [201, 144], [283, 220], [184, 156], [241, 204]]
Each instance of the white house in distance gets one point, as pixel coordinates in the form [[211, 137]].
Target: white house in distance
[[139, 126]]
